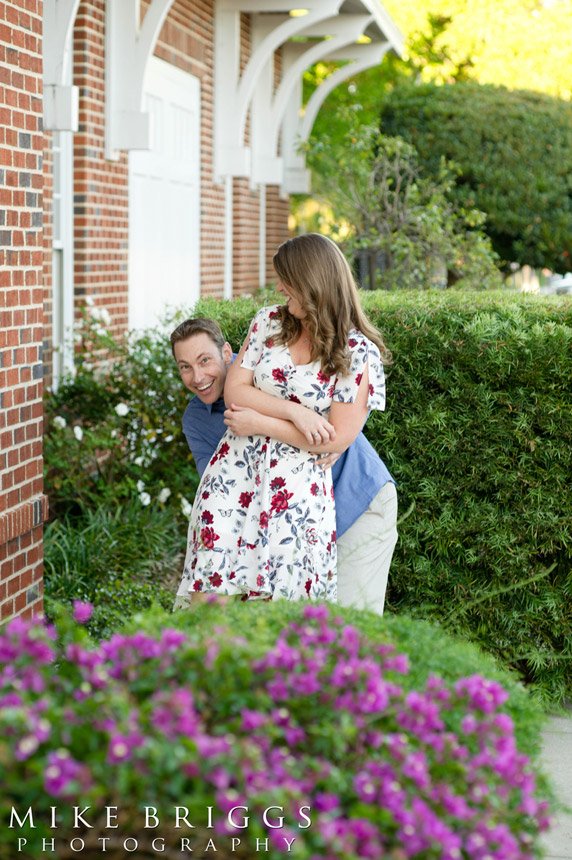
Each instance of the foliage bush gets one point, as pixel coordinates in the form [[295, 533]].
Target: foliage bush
[[112, 428], [478, 435], [118, 474], [381, 201], [514, 153], [282, 705], [122, 559]]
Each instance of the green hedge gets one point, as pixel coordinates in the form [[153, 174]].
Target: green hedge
[[478, 435]]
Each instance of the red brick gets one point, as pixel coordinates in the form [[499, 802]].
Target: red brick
[[6, 610]]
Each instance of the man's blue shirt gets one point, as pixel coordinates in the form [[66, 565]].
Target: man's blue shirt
[[357, 476]]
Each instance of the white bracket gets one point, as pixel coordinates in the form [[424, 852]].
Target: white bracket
[[61, 101], [233, 91], [129, 44], [297, 127], [362, 57], [268, 111], [344, 30]]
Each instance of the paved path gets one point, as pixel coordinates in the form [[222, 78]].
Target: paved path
[[557, 761]]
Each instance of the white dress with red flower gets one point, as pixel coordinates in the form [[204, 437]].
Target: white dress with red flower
[[263, 521]]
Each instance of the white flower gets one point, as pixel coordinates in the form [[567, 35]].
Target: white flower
[[140, 486], [145, 499], [89, 301], [164, 495], [122, 409], [60, 422], [168, 438], [78, 432], [113, 434], [138, 461], [101, 315], [186, 507]]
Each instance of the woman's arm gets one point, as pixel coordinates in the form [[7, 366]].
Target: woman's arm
[[346, 418], [239, 390]]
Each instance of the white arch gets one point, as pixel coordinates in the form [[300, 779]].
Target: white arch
[[129, 45], [364, 57], [344, 29], [319, 11]]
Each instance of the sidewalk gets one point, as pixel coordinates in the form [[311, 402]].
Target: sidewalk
[[557, 761]]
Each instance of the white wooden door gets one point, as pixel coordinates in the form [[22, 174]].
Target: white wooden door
[[164, 199]]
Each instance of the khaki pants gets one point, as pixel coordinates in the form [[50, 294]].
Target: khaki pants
[[365, 552]]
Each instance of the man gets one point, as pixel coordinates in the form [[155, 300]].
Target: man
[[366, 500]]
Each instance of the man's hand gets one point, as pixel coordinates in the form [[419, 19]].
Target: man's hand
[[326, 461], [243, 421]]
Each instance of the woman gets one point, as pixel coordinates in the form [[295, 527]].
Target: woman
[[263, 522]]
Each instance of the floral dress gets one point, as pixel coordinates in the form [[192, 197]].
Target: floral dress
[[263, 522]]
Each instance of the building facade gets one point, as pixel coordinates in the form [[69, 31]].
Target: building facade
[[147, 151]]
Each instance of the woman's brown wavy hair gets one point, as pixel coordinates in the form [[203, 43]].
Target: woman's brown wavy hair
[[315, 269]]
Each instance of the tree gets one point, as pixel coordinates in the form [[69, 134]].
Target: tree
[[514, 155], [380, 203], [520, 44]]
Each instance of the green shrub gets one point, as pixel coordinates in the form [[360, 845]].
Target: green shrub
[[514, 151], [121, 559], [265, 706], [113, 430], [478, 435]]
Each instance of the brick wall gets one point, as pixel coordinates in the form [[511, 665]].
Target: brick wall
[[277, 211], [100, 187], [23, 507]]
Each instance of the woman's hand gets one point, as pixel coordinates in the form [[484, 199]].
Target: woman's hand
[[312, 425], [243, 421]]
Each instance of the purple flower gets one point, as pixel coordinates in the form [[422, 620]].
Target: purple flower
[[326, 802], [64, 776], [484, 695], [174, 715], [122, 745], [252, 720], [318, 612], [172, 640], [82, 611]]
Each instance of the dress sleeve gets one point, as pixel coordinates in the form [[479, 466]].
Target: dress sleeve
[[257, 335], [364, 354]]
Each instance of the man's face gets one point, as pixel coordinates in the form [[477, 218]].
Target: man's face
[[203, 366]]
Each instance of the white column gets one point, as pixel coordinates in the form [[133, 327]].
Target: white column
[[228, 236], [262, 237]]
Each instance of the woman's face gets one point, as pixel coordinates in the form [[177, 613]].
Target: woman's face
[[294, 304]]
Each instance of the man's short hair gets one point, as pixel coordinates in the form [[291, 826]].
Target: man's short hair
[[199, 325]]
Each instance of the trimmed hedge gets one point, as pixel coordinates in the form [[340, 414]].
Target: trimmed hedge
[[478, 435]]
